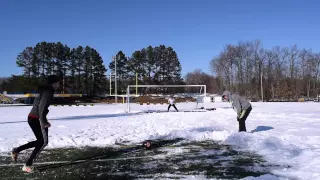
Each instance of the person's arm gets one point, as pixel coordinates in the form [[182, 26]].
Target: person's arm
[[46, 113], [237, 105], [43, 107], [244, 103]]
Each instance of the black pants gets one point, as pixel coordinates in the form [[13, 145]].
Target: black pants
[[242, 121], [39, 144], [173, 106]]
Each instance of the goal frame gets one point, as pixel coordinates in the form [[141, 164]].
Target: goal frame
[[160, 86]]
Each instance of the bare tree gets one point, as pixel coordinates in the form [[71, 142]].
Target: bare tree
[[279, 73], [306, 67], [316, 73], [198, 77]]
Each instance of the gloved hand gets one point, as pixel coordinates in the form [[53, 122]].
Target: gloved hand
[[238, 118], [47, 125]]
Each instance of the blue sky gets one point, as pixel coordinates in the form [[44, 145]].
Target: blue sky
[[197, 30]]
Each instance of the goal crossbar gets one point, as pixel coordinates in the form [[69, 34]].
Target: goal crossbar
[[160, 86]]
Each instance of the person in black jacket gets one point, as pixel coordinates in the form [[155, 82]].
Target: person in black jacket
[[37, 120]]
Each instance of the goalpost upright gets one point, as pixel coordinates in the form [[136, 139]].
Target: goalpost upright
[[160, 86]]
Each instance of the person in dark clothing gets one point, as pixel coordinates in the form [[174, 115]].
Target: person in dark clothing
[[241, 106], [37, 120]]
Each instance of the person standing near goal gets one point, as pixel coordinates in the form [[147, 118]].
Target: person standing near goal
[[37, 120], [171, 103]]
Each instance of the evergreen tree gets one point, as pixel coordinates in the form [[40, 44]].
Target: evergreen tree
[[150, 61], [167, 66], [87, 70], [122, 70], [173, 69], [137, 65], [25, 60], [41, 56], [99, 73], [82, 68], [72, 68], [79, 61]]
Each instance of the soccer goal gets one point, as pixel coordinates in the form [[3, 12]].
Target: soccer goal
[[158, 94]]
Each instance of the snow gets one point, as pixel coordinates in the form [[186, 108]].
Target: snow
[[287, 134], [201, 177]]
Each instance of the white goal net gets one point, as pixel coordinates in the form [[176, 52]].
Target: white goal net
[[155, 97]]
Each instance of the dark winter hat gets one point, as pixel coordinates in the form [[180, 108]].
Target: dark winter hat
[[53, 79]]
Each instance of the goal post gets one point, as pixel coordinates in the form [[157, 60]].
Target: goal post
[[202, 87]]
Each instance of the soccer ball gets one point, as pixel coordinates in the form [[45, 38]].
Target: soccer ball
[[147, 144]]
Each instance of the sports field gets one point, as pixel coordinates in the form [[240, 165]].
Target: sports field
[[103, 141]]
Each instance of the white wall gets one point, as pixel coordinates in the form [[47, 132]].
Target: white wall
[[201, 99], [217, 99], [206, 99]]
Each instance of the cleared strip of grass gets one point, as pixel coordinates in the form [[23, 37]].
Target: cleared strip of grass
[[172, 160]]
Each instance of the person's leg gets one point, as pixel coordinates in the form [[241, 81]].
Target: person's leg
[[242, 125], [28, 145], [175, 107], [169, 107], [42, 141], [242, 120]]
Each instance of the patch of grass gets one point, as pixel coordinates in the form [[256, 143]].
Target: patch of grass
[[181, 158]]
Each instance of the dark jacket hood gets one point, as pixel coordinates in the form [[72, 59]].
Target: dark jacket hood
[[45, 87]]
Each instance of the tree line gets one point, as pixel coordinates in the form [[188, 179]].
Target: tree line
[[84, 72], [149, 66], [198, 77], [267, 74], [81, 67], [245, 68]]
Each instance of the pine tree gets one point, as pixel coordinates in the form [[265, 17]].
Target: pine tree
[[82, 68], [25, 60], [122, 70], [173, 67], [61, 56], [50, 59], [99, 73], [167, 66], [79, 61], [137, 65], [72, 67], [150, 61], [87, 64], [42, 59]]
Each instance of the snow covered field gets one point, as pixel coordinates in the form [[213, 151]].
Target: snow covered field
[[283, 133]]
